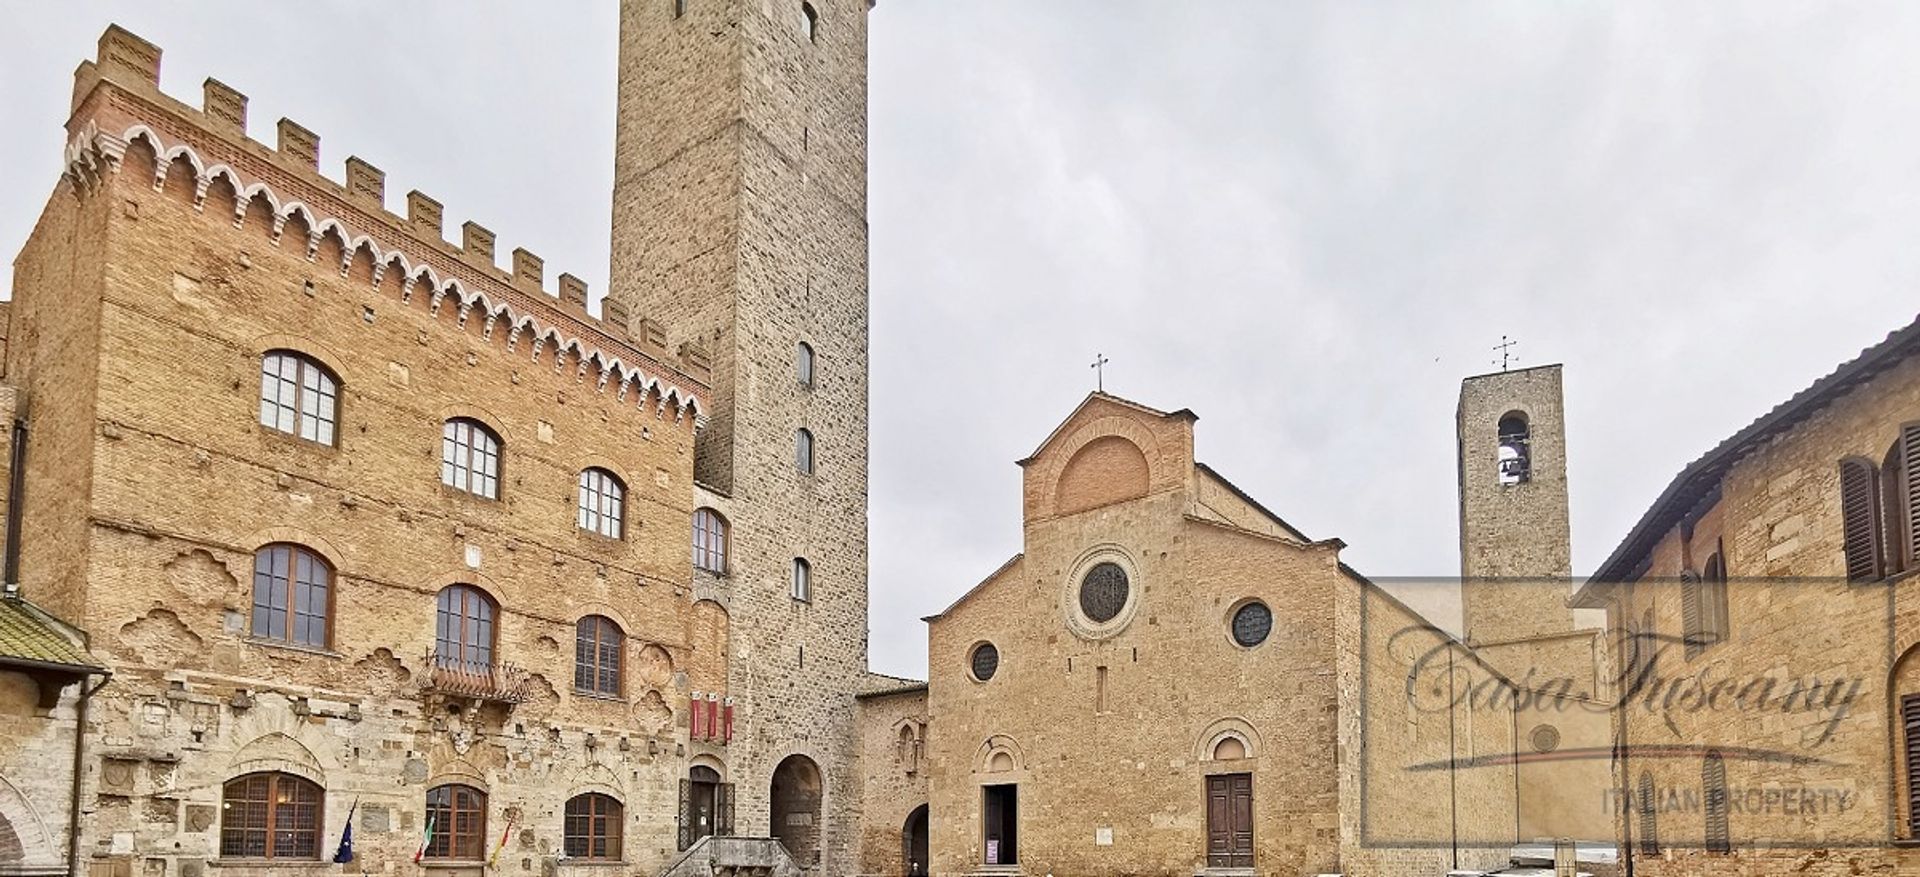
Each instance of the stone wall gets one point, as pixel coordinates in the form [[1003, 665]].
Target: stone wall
[[1109, 731], [1776, 517], [1513, 530], [1407, 711], [144, 303], [739, 216], [894, 733]]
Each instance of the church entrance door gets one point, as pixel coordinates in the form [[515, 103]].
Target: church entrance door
[[1230, 821], [1000, 809], [914, 841]]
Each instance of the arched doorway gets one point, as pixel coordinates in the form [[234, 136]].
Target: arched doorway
[[703, 806], [794, 802], [913, 842]]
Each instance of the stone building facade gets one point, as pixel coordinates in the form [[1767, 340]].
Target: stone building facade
[[740, 223], [371, 531], [1170, 679], [1780, 561]]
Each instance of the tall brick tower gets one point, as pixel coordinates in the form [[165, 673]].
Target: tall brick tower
[[1515, 555], [740, 223]]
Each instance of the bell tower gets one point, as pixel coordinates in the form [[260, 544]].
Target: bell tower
[[1516, 560], [740, 226]]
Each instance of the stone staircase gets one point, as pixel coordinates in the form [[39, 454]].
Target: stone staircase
[[734, 857], [1546, 859]]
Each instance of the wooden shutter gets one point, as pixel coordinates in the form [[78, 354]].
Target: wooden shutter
[[1910, 489], [1860, 519], [1649, 816], [723, 810], [1893, 526], [1713, 786], [686, 813], [1910, 719], [1690, 614]]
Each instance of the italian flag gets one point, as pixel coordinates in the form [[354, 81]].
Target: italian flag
[[425, 839]]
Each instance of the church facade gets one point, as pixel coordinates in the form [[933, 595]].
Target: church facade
[[1169, 678]]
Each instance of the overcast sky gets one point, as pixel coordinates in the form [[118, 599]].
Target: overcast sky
[[1306, 222]]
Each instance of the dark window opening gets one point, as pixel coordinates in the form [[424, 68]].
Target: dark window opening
[[1103, 592], [1516, 455], [1000, 808], [985, 661]]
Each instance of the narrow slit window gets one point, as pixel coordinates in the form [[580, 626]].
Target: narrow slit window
[[802, 580]]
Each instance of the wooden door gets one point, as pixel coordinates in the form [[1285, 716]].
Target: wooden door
[[1230, 821]]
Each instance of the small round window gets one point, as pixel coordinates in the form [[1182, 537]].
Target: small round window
[[1252, 623], [1545, 738], [985, 661], [1103, 592]]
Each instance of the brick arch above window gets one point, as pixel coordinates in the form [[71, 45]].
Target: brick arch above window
[[311, 348], [1210, 737]]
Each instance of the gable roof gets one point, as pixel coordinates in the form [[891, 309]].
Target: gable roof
[[1250, 501], [1098, 395], [975, 589], [33, 639], [1703, 475]]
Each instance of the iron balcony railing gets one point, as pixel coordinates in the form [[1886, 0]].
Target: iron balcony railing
[[496, 681]]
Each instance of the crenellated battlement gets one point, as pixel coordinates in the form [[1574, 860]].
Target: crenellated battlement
[[117, 102]]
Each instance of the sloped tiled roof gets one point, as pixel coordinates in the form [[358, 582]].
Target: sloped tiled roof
[[1705, 473], [29, 637]]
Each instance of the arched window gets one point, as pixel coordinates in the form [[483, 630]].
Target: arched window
[[1516, 455], [470, 458], [298, 396], [602, 503], [292, 596], [709, 541], [1713, 593], [803, 364], [457, 815], [1900, 525], [270, 816], [592, 829], [802, 580], [463, 630], [1649, 807], [809, 22], [1713, 791], [1703, 608], [803, 451], [1860, 508], [598, 644]]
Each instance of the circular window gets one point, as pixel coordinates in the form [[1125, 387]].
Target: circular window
[[985, 660], [1103, 592], [1252, 623], [1545, 738]]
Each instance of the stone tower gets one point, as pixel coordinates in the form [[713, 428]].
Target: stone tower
[[1515, 555], [740, 224]]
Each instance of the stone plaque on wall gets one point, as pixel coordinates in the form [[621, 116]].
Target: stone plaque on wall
[[200, 817]]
